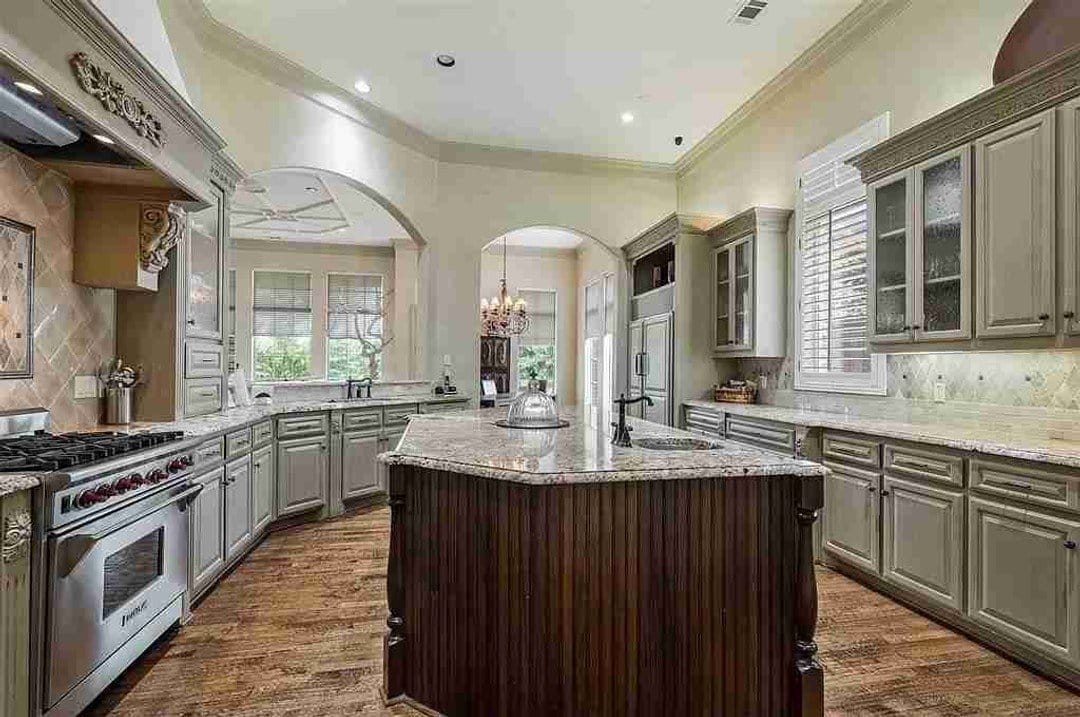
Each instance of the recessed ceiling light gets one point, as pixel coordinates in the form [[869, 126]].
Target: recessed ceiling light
[[103, 138], [362, 87], [445, 60], [313, 190], [27, 87], [627, 117]]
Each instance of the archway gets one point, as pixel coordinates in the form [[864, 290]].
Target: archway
[[571, 284], [353, 255]]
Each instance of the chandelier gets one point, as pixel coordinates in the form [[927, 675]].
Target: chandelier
[[504, 315]]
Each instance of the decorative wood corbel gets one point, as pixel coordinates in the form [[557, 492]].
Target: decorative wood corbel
[[97, 81], [16, 540], [160, 228]]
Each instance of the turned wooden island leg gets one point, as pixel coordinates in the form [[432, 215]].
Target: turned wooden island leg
[[809, 687], [394, 645]]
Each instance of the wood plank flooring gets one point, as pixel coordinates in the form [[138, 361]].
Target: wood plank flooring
[[297, 628]]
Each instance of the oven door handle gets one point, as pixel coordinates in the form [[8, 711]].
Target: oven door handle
[[71, 551]]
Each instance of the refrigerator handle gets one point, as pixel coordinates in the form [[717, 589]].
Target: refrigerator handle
[[644, 365]]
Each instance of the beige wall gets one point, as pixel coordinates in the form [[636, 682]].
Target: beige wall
[[593, 262], [74, 327], [316, 259], [540, 269]]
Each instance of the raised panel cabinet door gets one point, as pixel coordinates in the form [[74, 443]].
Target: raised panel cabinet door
[[923, 540], [1015, 230], [208, 531], [359, 469], [1070, 212], [890, 259], [943, 247], [1022, 576], [657, 369], [852, 516], [262, 486], [237, 507], [204, 275], [301, 474]]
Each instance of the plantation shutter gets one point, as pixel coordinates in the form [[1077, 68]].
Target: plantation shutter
[[541, 308], [282, 304], [352, 298]]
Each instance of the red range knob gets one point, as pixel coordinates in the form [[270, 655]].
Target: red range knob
[[156, 476], [105, 491], [188, 461], [136, 479], [88, 497], [176, 465]]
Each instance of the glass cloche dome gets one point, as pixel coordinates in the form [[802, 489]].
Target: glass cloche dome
[[532, 408]]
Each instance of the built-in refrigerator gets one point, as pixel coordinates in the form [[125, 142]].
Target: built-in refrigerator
[[652, 367]]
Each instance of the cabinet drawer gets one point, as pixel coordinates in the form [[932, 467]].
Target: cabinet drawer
[[1028, 482], [301, 425], [261, 433], [202, 396], [203, 360], [237, 443], [766, 434], [862, 452], [444, 406], [362, 420], [929, 464], [210, 452], [399, 415], [702, 420]]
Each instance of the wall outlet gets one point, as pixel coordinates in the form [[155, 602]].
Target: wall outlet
[[939, 392], [87, 387]]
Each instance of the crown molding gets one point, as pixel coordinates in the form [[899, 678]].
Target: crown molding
[[854, 28], [752, 220], [542, 161], [666, 230], [312, 247]]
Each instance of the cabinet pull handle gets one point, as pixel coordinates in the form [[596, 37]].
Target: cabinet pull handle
[[1044, 317], [915, 327], [191, 322], [871, 489], [1069, 314], [1071, 545], [884, 492]]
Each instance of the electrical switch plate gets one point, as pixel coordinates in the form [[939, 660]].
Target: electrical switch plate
[[86, 387], [939, 392]]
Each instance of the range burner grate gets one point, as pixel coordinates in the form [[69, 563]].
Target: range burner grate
[[48, 452]]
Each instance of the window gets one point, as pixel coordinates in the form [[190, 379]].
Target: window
[[354, 326], [536, 347], [833, 353], [599, 344], [281, 326]]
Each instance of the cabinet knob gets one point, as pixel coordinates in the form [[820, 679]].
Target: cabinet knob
[[871, 489], [1044, 317], [916, 327], [1071, 545], [1069, 314], [907, 328], [191, 322], [884, 492]]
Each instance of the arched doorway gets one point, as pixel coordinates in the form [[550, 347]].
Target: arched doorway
[[570, 283], [323, 280]]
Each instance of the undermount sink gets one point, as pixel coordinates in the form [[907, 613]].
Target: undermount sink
[[676, 444]]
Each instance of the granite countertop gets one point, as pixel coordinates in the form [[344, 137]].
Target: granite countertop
[[15, 482], [984, 431], [470, 442]]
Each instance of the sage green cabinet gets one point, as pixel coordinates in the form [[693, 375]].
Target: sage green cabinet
[[359, 474], [207, 536], [923, 540], [262, 486], [302, 468], [1015, 238], [890, 257], [852, 514], [15, 587], [733, 291], [1069, 115], [237, 507], [1023, 576]]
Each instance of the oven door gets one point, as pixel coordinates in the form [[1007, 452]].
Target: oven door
[[109, 577]]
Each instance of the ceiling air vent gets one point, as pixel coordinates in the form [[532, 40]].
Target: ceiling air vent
[[747, 11]]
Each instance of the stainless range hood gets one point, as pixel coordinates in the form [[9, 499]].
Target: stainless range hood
[[25, 121]]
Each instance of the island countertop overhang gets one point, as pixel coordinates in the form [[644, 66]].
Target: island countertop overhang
[[470, 442]]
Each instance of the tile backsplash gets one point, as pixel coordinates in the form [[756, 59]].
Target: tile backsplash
[[74, 326], [1038, 379]]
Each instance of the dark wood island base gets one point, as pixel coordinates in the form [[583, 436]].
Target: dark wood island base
[[646, 597]]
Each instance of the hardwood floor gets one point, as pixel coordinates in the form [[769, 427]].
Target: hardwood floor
[[297, 628]]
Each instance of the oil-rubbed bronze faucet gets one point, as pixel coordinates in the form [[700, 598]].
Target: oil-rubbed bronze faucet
[[622, 431], [355, 387]]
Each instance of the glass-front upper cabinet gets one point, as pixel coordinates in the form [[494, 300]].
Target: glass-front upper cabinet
[[733, 288], [919, 252], [204, 275]]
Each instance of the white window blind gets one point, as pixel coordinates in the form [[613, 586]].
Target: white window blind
[[541, 308], [833, 353], [352, 298], [281, 304]]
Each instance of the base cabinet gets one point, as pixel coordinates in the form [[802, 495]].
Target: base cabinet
[[852, 511], [237, 507], [1023, 578], [207, 536], [360, 469], [262, 487], [923, 540], [302, 465]]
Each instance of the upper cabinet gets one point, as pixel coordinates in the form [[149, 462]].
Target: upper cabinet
[[974, 237], [205, 269], [749, 280], [920, 252]]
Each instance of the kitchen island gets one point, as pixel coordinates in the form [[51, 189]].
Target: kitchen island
[[544, 572]]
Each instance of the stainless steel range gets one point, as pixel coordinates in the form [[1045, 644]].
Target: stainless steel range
[[111, 558]]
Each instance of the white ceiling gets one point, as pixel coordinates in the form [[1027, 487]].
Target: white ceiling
[[311, 206], [537, 238], [551, 76]]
